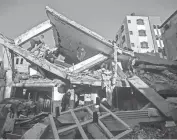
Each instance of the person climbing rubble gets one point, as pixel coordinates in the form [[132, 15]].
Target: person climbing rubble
[[66, 101], [128, 64], [36, 43], [131, 65], [50, 55]]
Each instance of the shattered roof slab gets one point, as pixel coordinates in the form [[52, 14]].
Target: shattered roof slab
[[35, 31], [72, 35]]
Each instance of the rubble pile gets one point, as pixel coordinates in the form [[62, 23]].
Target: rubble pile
[[154, 131], [158, 75], [18, 106]]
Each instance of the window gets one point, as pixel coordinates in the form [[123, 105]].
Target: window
[[21, 62], [132, 44], [123, 39], [157, 37], [131, 32], [154, 26], [144, 45], [142, 33], [129, 21], [140, 21], [17, 60], [122, 28]]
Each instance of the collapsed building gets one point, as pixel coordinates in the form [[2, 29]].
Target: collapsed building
[[90, 66]]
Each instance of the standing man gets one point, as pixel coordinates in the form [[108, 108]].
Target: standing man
[[49, 55], [66, 101], [132, 63], [81, 53]]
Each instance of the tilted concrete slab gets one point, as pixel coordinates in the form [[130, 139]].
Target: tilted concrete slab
[[72, 35], [158, 101], [39, 29], [86, 64]]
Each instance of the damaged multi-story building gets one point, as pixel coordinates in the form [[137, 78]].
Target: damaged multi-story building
[[141, 34], [94, 70]]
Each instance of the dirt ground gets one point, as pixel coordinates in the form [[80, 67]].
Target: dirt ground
[[152, 131]]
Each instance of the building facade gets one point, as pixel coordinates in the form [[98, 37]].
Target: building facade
[[21, 65], [169, 36], [140, 34]]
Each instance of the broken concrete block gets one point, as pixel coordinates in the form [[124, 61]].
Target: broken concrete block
[[36, 131], [170, 124], [152, 112]]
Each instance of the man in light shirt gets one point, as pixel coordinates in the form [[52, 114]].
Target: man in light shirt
[[36, 42]]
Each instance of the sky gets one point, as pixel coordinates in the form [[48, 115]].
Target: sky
[[102, 16]]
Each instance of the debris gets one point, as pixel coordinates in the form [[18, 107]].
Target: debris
[[8, 125], [36, 131]]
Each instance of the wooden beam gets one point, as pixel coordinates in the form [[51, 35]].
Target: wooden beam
[[83, 123], [114, 116], [83, 134], [136, 115], [54, 129], [41, 62], [86, 64], [146, 106], [123, 134], [158, 101], [13, 136], [35, 31], [105, 129], [73, 126], [76, 109]]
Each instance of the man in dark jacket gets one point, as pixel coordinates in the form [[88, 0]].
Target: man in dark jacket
[[65, 101]]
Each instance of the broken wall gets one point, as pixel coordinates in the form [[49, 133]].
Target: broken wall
[[6, 58]]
